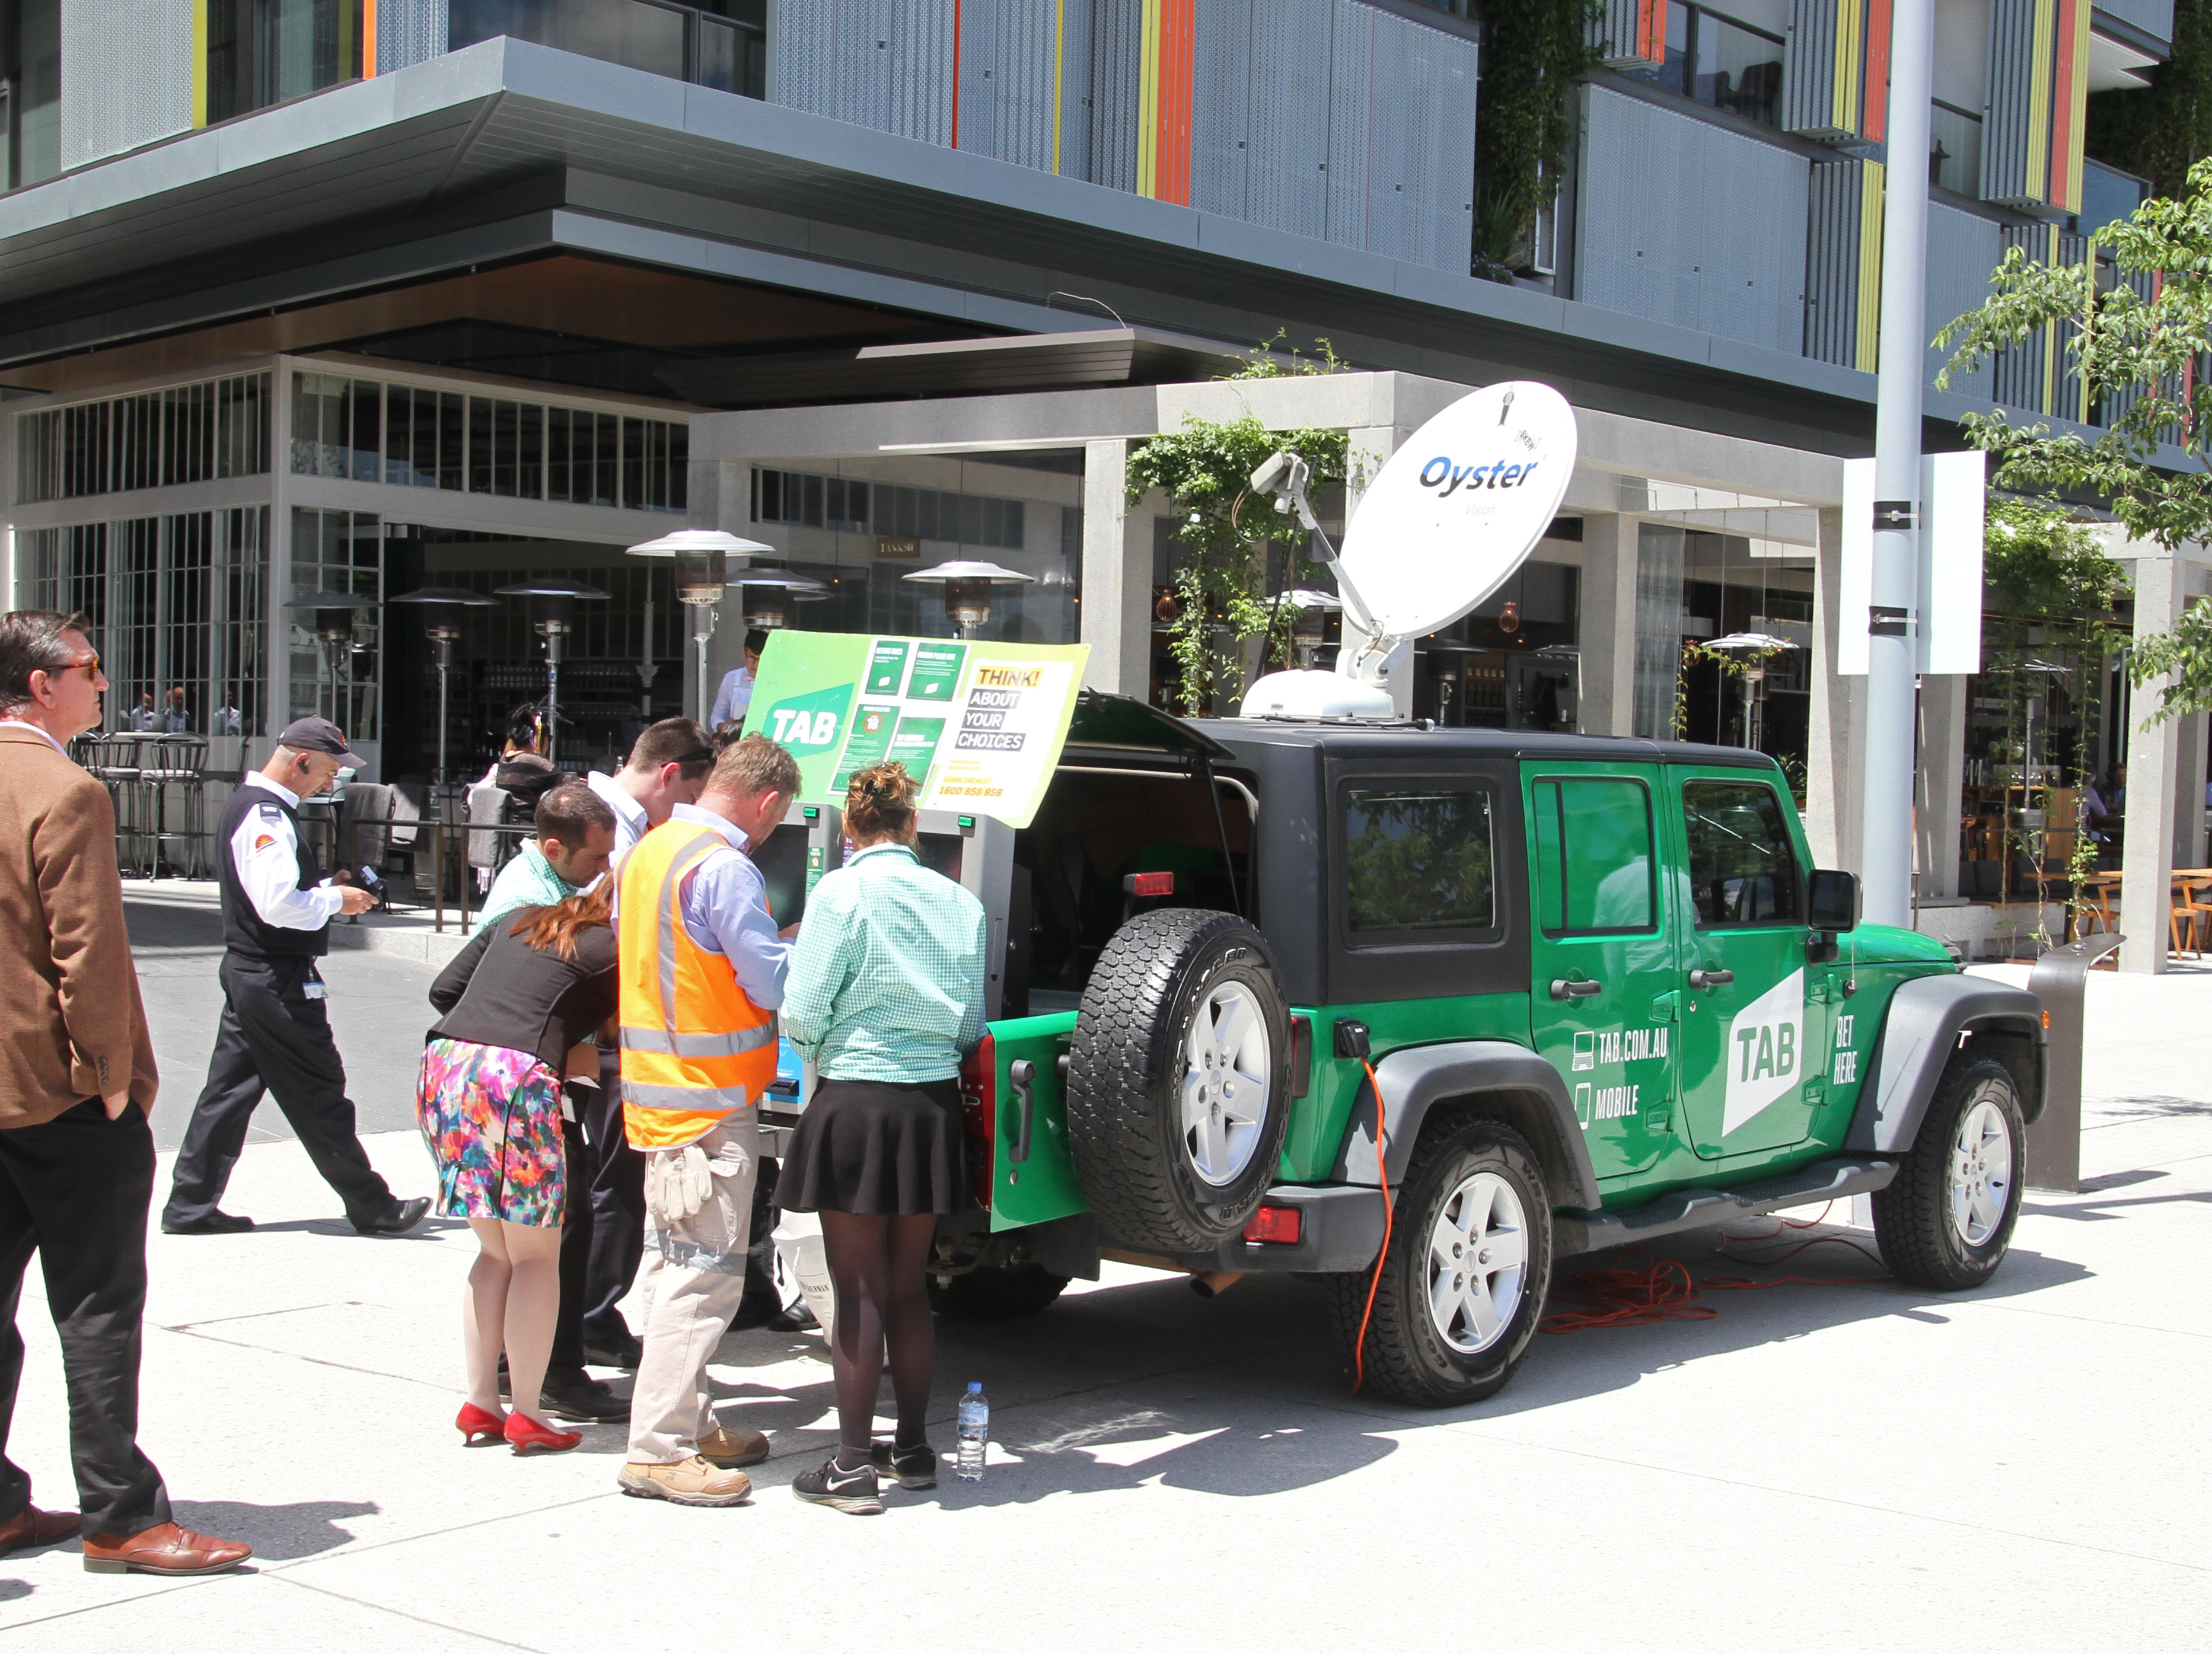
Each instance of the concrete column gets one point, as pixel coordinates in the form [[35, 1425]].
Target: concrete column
[[1117, 575], [1608, 624], [2189, 770], [2153, 766], [1940, 784], [1835, 746]]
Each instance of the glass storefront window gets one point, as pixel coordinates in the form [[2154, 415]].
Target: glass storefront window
[[336, 551], [186, 433]]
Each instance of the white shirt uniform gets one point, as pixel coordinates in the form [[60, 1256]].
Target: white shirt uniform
[[265, 850], [732, 699], [630, 823]]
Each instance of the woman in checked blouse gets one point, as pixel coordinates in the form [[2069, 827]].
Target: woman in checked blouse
[[885, 996]]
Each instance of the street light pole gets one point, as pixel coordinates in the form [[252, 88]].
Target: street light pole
[[1901, 365]]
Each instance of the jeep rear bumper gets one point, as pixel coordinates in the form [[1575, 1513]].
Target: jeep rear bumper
[[1339, 1228]]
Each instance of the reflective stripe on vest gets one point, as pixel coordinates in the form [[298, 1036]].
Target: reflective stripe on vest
[[695, 1048]]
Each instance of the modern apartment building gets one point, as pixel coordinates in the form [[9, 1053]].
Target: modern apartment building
[[551, 267]]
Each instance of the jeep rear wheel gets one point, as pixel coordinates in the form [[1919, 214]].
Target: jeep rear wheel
[[1464, 1283], [1945, 1222], [999, 1294], [1178, 1080]]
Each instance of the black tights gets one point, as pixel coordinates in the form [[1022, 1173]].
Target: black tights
[[876, 1265]]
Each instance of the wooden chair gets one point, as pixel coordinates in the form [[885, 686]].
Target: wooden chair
[[2190, 908]]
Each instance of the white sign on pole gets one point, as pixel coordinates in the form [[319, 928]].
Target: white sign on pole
[[1948, 630]]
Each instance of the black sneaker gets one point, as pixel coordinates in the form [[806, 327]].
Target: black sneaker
[[625, 1355], [853, 1492], [915, 1467], [797, 1318]]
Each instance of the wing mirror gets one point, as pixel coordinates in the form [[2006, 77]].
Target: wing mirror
[[1834, 904]]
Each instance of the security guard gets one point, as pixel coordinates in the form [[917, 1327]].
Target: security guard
[[275, 1029]]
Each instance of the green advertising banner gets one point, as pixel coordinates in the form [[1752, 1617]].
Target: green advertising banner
[[981, 725]]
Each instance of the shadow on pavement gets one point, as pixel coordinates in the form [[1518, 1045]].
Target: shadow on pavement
[[278, 1533]]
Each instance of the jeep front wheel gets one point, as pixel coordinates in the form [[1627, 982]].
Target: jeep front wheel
[[1464, 1283], [1946, 1221], [1178, 1080]]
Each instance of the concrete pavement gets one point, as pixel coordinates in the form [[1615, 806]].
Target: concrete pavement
[[1856, 1466]]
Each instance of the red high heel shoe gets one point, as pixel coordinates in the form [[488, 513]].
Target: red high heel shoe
[[478, 1428], [528, 1435]]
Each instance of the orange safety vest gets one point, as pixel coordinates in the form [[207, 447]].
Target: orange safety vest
[[694, 1048]]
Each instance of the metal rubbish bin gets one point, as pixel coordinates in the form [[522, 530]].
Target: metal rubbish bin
[[2054, 1141]]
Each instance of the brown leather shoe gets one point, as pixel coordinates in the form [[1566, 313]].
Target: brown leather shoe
[[165, 1549], [36, 1527], [731, 1447]]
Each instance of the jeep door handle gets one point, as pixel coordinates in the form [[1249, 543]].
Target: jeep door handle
[[1564, 990], [1711, 978], [1023, 1073]]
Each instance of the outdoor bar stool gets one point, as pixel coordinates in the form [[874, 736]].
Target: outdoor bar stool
[[120, 771], [167, 760]]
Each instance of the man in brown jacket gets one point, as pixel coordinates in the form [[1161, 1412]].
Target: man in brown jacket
[[76, 1080]]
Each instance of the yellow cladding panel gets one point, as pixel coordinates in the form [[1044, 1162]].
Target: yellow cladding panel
[[199, 61], [1058, 72], [1148, 101], [1851, 26], [1872, 183]]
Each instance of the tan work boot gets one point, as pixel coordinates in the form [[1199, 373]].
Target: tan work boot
[[687, 1481], [731, 1448]]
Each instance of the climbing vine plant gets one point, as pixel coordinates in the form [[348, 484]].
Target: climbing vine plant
[[1524, 124], [1205, 468]]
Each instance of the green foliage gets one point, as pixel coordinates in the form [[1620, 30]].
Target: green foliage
[[2162, 131], [1417, 861], [1205, 468], [2136, 355], [1534, 51]]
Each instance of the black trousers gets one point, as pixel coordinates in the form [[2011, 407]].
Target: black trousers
[[272, 1038], [76, 1190], [578, 1232]]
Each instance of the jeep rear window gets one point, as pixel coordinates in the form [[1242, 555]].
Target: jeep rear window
[[1741, 869], [1594, 860], [1417, 861]]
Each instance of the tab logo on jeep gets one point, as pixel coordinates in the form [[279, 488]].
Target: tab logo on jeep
[[1765, 1050]]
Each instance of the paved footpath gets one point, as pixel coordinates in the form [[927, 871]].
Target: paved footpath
[[1857, 1466]]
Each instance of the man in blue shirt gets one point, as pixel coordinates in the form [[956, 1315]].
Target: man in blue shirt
[[735, 697]]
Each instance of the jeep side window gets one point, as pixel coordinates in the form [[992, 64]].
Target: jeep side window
[[1741, 868], [1417, 861], [1593, 859]]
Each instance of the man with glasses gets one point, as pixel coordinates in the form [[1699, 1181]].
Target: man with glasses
[[275, 1035], [77, 1081]]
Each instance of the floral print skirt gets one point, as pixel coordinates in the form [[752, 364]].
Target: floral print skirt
[[492, 1117]]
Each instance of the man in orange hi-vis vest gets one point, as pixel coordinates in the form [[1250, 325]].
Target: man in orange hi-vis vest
[[702, 971]]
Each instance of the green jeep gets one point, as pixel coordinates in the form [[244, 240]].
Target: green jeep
[[1603, 993]]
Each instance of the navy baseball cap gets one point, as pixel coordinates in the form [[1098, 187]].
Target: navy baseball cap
[[319, 735]]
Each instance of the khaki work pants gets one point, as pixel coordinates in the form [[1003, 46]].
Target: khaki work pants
[[692, 1277]]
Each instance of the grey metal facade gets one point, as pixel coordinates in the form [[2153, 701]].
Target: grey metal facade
[[1963, 248], [1683, 223], [885, 64], [409, 32], [126, 75]]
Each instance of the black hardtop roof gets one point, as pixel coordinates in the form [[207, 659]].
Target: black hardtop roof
[[1349, 739]]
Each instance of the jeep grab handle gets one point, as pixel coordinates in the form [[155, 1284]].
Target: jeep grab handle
[[1711, 978], [1564, 990], [1021, 1073]]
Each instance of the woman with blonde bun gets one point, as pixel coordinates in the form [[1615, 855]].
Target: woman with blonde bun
[[885, 997]]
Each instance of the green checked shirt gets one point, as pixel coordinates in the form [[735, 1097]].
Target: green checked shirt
[[887, 980], [527, 881]]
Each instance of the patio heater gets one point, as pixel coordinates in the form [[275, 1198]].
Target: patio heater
[[767, 595], [702, 574], [333, 628], [968, 590], [441, 607], [1758, 644], [553, 615]]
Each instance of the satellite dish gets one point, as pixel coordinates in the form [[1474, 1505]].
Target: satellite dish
[[1456, 509], [1445, 523]]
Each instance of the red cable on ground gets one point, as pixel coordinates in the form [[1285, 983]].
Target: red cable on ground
[[1663, 1292], [1381, 1176]]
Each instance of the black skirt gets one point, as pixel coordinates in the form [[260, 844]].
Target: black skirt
[[868, 1146]]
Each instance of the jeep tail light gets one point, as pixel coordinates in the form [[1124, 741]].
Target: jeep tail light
[[979, 1113], [1282, 1224], [1151, 884]]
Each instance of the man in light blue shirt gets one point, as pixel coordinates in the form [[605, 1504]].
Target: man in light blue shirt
[[735, 697], [575, 839]]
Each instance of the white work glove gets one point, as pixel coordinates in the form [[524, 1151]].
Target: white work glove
[[677, 1183]]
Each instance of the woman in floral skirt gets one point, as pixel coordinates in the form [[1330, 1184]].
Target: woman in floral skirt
[[517, 1001]]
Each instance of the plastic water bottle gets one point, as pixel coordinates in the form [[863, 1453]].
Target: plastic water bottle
[[974, 1434]]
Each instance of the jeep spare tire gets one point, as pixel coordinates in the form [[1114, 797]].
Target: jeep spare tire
[[1178, 1080]]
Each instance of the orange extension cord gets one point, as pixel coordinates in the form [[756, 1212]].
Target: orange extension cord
[[1383, 1176], [1664, 1290]]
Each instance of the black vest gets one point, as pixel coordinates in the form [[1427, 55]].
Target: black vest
[[244, 930]]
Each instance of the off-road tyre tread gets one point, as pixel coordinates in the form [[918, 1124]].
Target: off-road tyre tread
[[1393, 1367], [1911, 1216], [1123, 1045], [1011, 1293]]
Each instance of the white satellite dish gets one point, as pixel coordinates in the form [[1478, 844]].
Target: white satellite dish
[[1445, 523]]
